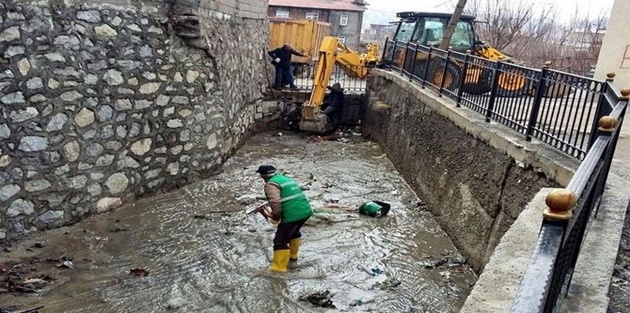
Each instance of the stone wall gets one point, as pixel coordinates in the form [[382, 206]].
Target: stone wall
[[104, 102], [458, 163]]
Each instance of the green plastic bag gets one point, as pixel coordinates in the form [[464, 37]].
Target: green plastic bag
[[374, 208]]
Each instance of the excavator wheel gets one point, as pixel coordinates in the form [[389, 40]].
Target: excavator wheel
[[512, 84], [478, 81], [437, 74]]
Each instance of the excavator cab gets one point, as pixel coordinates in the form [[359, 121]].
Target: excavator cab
[[427, 29]]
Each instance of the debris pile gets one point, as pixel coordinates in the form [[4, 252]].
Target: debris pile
[[16, 309], [18, 278], [389, 283], [320, 299], [457, 263], [344, 134], [139, 272]]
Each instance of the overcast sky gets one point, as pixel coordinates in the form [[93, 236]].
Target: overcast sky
[[565, 8]]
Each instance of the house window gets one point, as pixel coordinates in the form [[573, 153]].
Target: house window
[[312, 16], [342, 39], [343, 20], [284, 14]]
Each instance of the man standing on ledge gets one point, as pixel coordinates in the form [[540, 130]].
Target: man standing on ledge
[[290, 208], [282, 61]]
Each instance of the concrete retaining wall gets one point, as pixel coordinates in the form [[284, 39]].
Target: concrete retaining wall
[[476, 177], [104, 101]]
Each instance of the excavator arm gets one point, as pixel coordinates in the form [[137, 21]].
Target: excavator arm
[[491, 53], [331, 53]]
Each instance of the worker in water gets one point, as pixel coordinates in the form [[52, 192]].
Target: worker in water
[[281, 59], [334, 105], [290, 209]]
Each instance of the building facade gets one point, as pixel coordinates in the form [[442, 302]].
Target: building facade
[[377, 33], [614, 55], [345, 16]]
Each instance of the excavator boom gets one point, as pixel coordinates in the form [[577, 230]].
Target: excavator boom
[[331, 53]]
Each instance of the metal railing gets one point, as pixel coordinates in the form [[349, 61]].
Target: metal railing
[[305, 73], [303, 77], [577, 115], [567, 217], [557, 108]]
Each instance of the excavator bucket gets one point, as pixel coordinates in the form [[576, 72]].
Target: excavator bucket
[[313, 120], [331, 53]]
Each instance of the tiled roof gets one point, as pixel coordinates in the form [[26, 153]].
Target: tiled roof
[[341, 5]]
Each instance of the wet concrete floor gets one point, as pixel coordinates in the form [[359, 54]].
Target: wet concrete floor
[[218, 263]]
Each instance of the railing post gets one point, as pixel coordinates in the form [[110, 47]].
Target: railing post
[[608, 125], [426, 67], [391, 62], [599, 111], [533, 292], [462, 79], [385, 48], [493, 91], [447, 61], [404, 60], [540, 91], [413, 62]]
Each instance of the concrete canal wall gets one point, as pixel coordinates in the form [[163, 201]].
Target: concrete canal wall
[[476, 177], [102, 101]]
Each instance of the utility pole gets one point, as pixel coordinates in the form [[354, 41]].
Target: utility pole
[[450, 29]]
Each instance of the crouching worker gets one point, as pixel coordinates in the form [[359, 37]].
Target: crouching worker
[[334, 105], [290, 209]]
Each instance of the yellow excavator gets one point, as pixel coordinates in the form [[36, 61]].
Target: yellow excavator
[[427, 29], [355, 65]]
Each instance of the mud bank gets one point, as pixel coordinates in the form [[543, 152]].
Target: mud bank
[[475, 190], [217, 262]]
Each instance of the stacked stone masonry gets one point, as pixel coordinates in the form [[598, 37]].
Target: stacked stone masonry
[[102, 103]]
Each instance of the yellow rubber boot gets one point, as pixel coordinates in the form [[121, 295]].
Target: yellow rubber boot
[[294, 246], [280, 260]]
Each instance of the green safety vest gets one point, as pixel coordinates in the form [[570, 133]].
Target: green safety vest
[[294, 204]]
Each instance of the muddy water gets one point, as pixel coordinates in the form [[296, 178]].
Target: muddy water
[[218, 263]]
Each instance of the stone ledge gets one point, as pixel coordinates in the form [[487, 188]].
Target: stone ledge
[[497, 286], [556, 165]]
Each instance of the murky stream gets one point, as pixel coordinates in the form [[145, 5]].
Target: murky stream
[[218, 263]]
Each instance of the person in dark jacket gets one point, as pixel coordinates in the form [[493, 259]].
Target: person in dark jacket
[[281, 59], [334, 105]]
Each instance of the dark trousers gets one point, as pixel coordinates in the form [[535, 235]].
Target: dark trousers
[[286, 232], [333, 116], [284, 76]]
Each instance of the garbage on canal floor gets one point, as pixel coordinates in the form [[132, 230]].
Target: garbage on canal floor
[[374, 208], [18, 278], [139, 272], [450, 261], [320, 299], [362, 301], [16, 309]]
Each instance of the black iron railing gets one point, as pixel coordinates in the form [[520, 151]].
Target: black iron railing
[[304, 75], [557, 108], [568, 215]]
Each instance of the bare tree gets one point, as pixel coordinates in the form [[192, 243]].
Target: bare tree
[[511, 21], [532, 35], [452, 23]]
